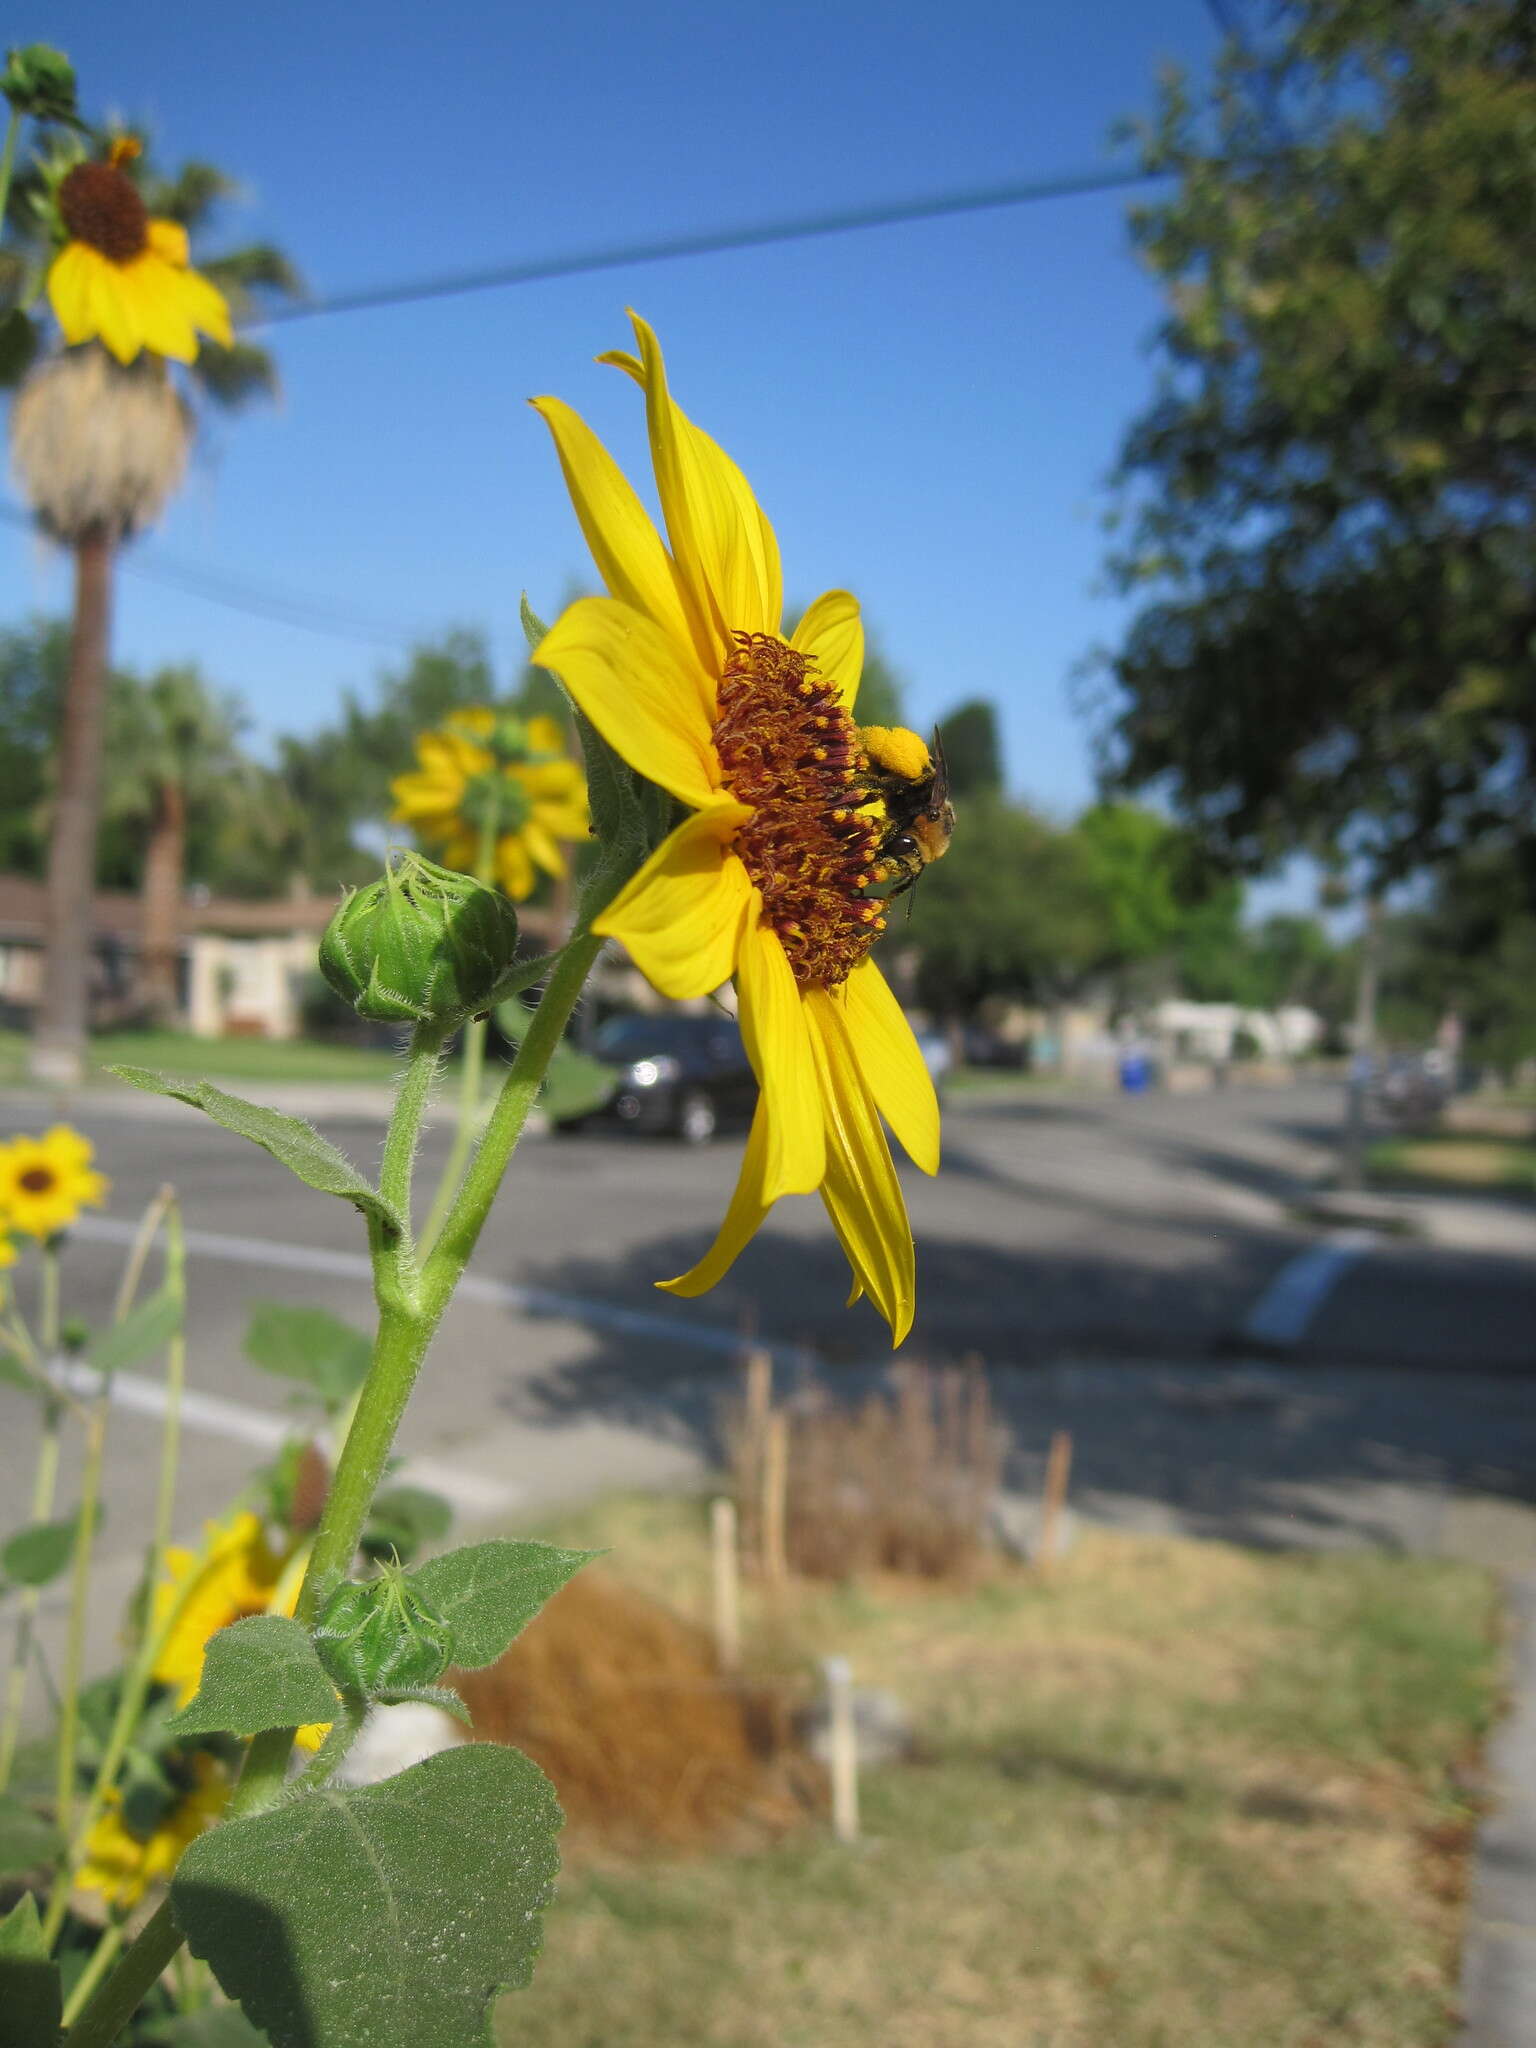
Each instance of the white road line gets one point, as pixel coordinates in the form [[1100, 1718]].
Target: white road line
[[214, 1416], [529, 1301], [1285, 1308]]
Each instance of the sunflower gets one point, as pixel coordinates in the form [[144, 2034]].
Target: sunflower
[[45, 1182], [503, 775], [234, 1574], [122, 1864], [124, 279], [686, 672]]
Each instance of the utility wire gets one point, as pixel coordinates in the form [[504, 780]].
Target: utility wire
[[715, 241], [287, 608]]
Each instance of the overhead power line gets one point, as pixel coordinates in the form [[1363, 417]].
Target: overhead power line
[[715, 241], [285, 607]]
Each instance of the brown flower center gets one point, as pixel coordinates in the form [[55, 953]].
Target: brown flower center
[[38, 1180], [102, 208], [789, 749]]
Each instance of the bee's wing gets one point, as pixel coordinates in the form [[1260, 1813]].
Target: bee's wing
[[938, 796]]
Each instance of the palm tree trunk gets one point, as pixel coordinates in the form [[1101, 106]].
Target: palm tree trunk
[[164, 866], [63, 1020]]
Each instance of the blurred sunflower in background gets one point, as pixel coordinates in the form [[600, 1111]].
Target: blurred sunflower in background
[[45, 1182], [130, 1849], [495, 795], [236, 1573], [123, 278]]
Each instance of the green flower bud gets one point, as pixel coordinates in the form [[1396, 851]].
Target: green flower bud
[[379, 1635], [421, 945], [40, 82]]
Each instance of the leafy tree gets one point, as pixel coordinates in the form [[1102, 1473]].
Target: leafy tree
[[1468, 953], [973, 749], [1328, 507], [34, 660], [1014, 908]]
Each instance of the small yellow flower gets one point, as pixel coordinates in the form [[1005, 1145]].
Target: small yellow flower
[[124, 279], [45, 1182], [512, 776], [122, 1865], [686, 672], [234, 1574]]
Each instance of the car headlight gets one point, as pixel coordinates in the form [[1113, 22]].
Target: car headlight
[[646, 1073]]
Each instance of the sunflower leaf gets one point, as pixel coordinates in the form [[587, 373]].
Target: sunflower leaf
[[31, 1999], [361, 1919], [489, 1592], [258, 1673], [311, 1346], [297, 1145], [147, 1328], [38, 1555]]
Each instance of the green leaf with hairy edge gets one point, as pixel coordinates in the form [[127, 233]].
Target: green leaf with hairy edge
[[27, 1841], [258, 1673], [39, 1555], [618, 799], [216, 2026], [309, 1345], [489, 1592], [31, 2001], [392, 1914], [146, 1329], [297, 1145]]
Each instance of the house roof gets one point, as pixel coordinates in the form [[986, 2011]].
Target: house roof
[[120, 915]]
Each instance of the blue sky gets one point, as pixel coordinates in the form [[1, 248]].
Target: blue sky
[[927, 411]]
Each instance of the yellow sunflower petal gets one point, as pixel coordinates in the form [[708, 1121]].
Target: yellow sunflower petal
[[542, 850], [562, 821], [743, 1218], [724, 549], [152, 288], [861, 1191], [111, 317], [640, 689], [681, 915], [206, 307], [625, 545], [773, 1025], [70, 290], [514, 870], [545, 736], [832, 633], [168, 239], [892, 1064]]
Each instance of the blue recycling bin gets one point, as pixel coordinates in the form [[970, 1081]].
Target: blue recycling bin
[[1135, 1073]]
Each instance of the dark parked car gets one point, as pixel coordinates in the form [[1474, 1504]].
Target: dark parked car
[[684, 1076]]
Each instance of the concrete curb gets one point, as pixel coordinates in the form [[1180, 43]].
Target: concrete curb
[[1498, 1970]]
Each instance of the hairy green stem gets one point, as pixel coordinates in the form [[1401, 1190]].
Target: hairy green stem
[[405, 1123], [471, 1069], [79, 1590], [102, 1957], [525, 1077], [45, 1479], [117, 2000]]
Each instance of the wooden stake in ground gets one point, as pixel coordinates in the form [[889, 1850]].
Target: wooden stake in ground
[[1058, 1470], [759, 1370], [723, 1545], [843, 1741], [775, 1560]]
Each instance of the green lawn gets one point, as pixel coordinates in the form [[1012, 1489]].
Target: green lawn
[[1174, 1796]]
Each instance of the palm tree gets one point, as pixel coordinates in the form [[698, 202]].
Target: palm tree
[[172, 752], [99, 447]]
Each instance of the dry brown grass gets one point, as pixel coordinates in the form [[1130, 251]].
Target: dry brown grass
[[621, 1704], [903, 1481]]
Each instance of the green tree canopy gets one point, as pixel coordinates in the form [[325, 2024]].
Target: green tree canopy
[[1328, 509], [973, 748]]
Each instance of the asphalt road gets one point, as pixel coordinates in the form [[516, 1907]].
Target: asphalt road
[[1082, 1236]]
